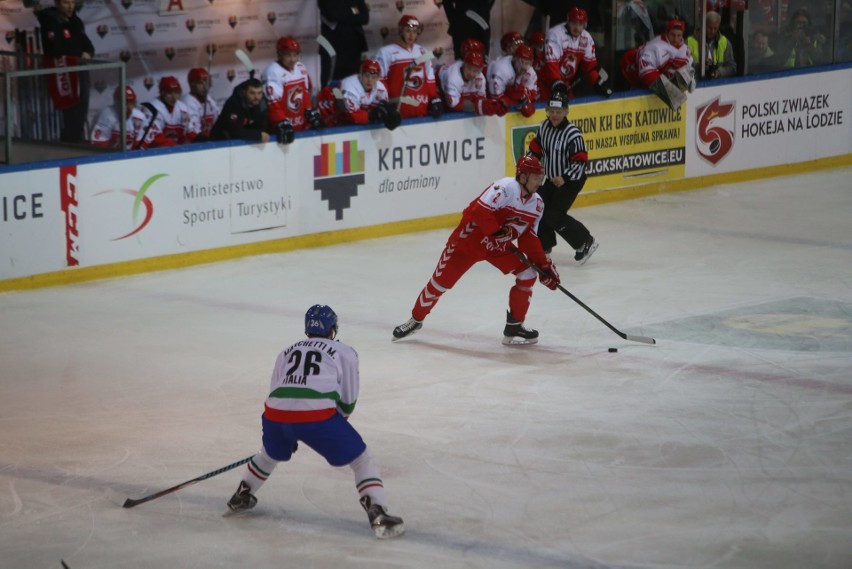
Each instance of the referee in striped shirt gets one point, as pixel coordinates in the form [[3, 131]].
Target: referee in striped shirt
[[559, 145]]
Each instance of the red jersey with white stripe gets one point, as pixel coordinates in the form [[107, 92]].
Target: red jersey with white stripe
[[456, 90], [394, 59], [204, 112], [502, 203], [566, 55], [288, 93], [107, 130], [173, 126]]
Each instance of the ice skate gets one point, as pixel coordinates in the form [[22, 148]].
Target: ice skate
[[585, 252], [384, 525], [242, 499], [406, 329], [514, 334]]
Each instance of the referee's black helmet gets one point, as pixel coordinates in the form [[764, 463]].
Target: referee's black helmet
[[558, 99]]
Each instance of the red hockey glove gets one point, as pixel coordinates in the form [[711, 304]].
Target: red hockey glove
[[516, 92], [549, 276], [487, 107], [527, 109], [499, 241]]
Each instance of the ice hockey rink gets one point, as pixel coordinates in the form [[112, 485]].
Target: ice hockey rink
[[726, 445]]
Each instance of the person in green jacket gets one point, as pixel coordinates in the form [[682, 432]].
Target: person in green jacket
[[719, 57]]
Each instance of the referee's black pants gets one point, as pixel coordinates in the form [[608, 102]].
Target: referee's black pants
[[557, 202]]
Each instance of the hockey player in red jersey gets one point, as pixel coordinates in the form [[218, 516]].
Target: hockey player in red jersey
[[570, 55], [170, 118], [361, 99], [508, 210], [407, 72], [287, 88]]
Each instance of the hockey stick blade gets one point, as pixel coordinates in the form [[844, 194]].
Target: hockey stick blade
[[130, 503], [642, 339]]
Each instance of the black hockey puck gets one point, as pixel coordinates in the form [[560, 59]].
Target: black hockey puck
[[613, 350]]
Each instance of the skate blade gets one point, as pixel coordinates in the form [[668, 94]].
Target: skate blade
[[588, 256], [389, 532], [516, 341]]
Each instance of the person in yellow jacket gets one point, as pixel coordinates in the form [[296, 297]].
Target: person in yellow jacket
[[719, 58]]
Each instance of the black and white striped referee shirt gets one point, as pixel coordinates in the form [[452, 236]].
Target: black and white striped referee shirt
[[562, 149]]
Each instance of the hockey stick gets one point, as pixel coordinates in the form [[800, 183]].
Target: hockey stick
[[244, 59], [530, 264], [129, 503], [154, 112], [332, 54]]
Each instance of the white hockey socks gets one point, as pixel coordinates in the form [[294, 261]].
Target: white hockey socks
[[368, 478], [258, 470]]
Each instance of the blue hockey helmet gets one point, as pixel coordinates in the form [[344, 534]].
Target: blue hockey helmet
[[320, 320]]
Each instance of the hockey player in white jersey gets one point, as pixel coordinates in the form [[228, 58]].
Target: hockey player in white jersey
[[361, 99], [664, 65], [314, 389], [463, 86], [404, 76], [508, 210], [513, 81], [170, 117], [107, 130], [202, 107], [570, 55], [287, 88]]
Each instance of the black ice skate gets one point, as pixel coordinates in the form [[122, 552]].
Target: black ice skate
[[242, 499], [514, 334], [406, 329], [384, 525], [585, 252]]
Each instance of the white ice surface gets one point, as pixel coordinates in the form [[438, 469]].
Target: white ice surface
[[728, 444]]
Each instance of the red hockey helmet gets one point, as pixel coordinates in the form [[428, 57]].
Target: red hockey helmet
[[676, 24], [529, 165], [288, 44], [536, 39], [471, 44], [197, 74], [129, 94], [409, 21], [169, 84], [524, 51], [576, 14], [510, 39], [474, 58], [371, 66]]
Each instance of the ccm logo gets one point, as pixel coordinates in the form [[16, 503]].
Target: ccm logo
[[68, 187]]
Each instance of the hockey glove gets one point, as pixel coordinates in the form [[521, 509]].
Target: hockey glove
[[436, 108], [378, 113], [393, 119], [516, 92], [315, 119], [527, 109], [286, 134], [487, 107], [602, 87], [549, 277]]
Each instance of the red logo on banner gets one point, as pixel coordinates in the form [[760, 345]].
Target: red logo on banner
[[190, 25], [170, 53], [102, 30], [149, 28], [68, 203], [271, 17], [250, 45], [232, 21], [148, 82], [714, 131]]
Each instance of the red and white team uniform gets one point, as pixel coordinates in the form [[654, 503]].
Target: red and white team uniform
[[173, 126], [504, 83], [642, 66], [288, 93], [107, 130], [502, 204], [203, 113], [566, 56], [456, 90], [394, 59], [357, 102]]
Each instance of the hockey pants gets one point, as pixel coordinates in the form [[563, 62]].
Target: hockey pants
[[557, 202]]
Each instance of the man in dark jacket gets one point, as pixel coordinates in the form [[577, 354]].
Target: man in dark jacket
[[65, 44], [343, 24], [244, 115]]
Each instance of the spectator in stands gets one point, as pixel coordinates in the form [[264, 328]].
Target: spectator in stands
[[65, 43], [287, 88], [570, 56], [660, 62], [469, 19], [343, 24], [244, 116], [719, 53], [407, 71], [760, 55], [107, 130], [802, 46], [512, 80], [361, 99], [463, 86], [172, 122], [203, 109]]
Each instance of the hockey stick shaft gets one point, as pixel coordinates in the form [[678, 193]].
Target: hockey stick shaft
[[632, 338], [129, 503]]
